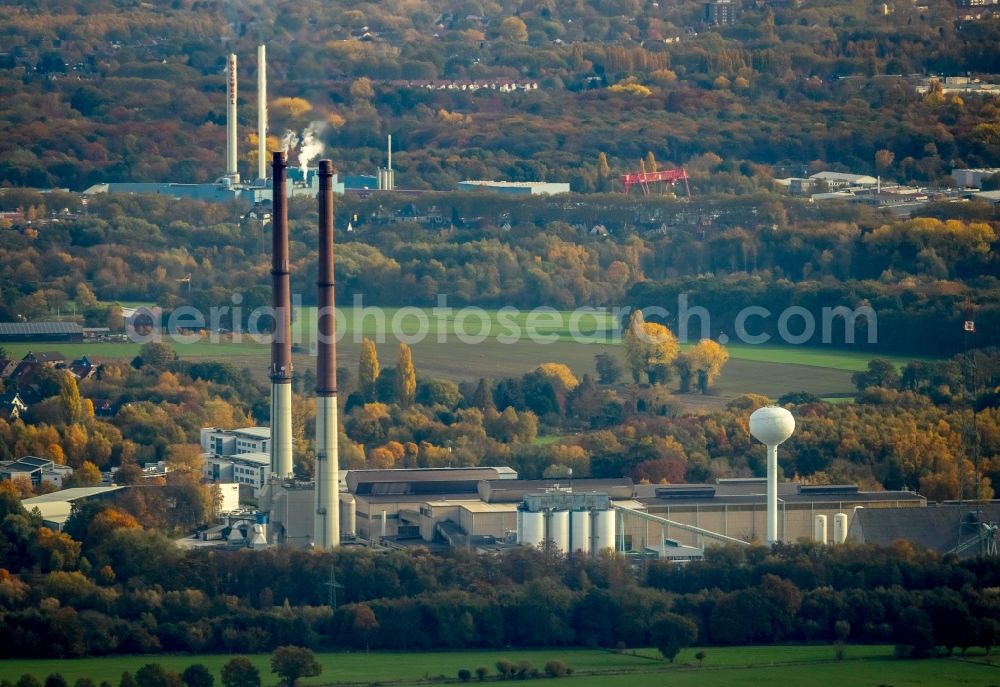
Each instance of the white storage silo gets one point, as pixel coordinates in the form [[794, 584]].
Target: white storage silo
[[348, 515], [840, 528], [819, 529], [580, 531], [559, 530], [604, 530], [531, 529]]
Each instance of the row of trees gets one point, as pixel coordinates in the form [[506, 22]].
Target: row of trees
[[129, 590], [288, 662]]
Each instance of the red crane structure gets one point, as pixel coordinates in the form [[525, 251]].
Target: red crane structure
[[644, 179]]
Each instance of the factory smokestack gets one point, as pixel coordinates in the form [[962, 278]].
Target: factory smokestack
[[262, 112], [231, 119], [281, 341], [327, 523]]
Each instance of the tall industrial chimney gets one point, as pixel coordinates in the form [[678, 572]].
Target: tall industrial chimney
[[327, 522], [281, 341], [390, 175], [231, 119], [262, 112]]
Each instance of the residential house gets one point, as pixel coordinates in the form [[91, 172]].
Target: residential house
[[83, 368], [12, 406]]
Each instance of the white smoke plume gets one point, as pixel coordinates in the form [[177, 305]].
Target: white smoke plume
[[289, 141], [312, 145]]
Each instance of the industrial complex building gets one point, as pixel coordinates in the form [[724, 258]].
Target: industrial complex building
[[489, 507]]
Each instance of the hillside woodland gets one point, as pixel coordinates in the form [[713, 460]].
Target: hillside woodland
[[480, 249], [118, 91]]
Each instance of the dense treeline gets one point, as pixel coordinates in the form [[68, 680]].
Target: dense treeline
[[758, 251], [121, 589], [110, 92]]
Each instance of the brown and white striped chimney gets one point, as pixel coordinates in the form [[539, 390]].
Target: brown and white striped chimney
[[327, 522], [281, 340]]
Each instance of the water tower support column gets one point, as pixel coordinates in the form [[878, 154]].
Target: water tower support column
[[772, 494]]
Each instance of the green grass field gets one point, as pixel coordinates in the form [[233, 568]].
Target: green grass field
[[792, 665], [463, 345]]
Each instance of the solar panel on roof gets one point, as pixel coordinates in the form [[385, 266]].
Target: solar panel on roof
[[29, 328]]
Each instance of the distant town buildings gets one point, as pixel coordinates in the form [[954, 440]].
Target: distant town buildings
[[720, 12], [961, 85]]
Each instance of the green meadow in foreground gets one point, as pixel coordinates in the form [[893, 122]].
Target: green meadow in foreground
[[792, 665]]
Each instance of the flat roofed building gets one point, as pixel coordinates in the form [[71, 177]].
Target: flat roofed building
[[399, 494], [518, 188], [55, 508], [514, 491], [973, 177], [251, 470], [835, 180], [36, 470], [959, 529], [230, 442], [739, 509]]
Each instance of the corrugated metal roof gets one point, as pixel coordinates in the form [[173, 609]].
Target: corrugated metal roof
[[73, 494], [254, 432], [938, 527], [412, 476], [480, 507], [515, 490], [747, 499], [35, 328]]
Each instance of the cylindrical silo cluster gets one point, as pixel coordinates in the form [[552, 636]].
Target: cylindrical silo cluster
[[569, 522], [580, 527]]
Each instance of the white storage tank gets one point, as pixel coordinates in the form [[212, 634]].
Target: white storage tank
[[580, 531], [819, 530], [348, 515], [840, 528], [531, 529], [559, 530], [604, 530]]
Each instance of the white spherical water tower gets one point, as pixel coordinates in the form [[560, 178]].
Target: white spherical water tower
[[771, 426]]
